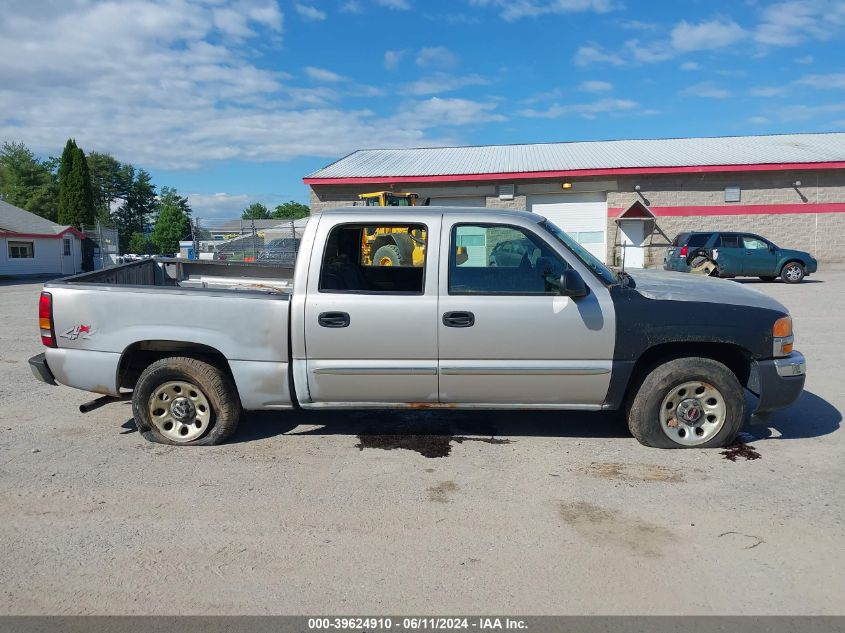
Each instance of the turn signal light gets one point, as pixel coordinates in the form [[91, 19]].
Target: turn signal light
[[782, 327], [45, 319]]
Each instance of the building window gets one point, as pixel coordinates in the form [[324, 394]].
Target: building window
[[732, 194], [66, 246], [21, 250]]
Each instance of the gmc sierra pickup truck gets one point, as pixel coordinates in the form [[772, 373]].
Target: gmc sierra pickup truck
[[389, 308]]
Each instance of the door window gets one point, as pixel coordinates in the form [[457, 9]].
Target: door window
[[729, 241], [754, 243], [503, 260], [374, 258], [66, 247]]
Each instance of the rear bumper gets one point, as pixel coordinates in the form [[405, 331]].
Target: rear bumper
[[676, 265], [41, 370], [777, 382]]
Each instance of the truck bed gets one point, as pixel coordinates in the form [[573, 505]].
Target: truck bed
[[182, 273]]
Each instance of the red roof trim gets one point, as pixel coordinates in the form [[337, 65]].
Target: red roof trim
[[574, 173], [45, 236], [740, 209]]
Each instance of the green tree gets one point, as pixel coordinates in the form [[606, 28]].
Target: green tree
[[256, 211], [291, 211], [139, 206], [76, 201], [139, 244], [108, 182], [27, 182], [173, 222]]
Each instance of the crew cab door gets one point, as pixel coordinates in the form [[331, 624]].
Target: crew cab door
[[370, 329], [759, 258], [505, 335]]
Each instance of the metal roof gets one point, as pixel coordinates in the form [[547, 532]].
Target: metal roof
[[17, 220], [783, 149]]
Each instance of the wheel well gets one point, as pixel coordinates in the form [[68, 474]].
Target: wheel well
[[790, 261], [734, 357], [138, 356]]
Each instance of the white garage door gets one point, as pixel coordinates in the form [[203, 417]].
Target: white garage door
[[582, 215], [460, 201]]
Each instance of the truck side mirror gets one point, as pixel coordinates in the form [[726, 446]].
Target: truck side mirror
[[572, 284]]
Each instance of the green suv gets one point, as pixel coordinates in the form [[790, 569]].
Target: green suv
[[724, 254]]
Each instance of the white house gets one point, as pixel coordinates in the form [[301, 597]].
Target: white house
[[32, 245]]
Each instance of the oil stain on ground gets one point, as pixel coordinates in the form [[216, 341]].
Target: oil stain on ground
[[602, 526], [426, 445], [634, 472], [440, 493], [740, 449]]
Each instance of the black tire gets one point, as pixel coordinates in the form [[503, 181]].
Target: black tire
[[215, 386], [644, 407], [792, 273], [390, 252], [767, 277]]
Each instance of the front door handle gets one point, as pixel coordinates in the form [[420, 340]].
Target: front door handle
[[333, 319], [458, 319]]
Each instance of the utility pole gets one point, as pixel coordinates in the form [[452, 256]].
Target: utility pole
[[253, 239], [195, 236]]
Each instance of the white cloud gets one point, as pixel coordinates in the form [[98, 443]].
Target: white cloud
[[768, 91], [218, 205], [690, 66], [706, 90], [309, 13], [759, 120], [438, 56], [595, 85], [438, 111], [793, 22], [397, 5], [351, 6], [805, 60], [392, 59], [444, 82], [585, 110], [833, 81], [708, 35], [593, 54], [515, 9], [321, 74]]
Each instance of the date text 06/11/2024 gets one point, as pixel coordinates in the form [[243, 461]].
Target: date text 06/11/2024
[[416, 624]]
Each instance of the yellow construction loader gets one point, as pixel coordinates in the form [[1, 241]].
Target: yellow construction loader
[[392, 245]]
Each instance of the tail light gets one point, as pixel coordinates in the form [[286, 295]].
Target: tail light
[[684, 251], [45, 319]]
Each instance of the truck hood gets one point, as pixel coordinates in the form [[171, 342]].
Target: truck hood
[[670, 286]]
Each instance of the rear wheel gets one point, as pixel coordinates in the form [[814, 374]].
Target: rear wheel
[[388, 255], [688, 402], [181, 400], [792, 273]]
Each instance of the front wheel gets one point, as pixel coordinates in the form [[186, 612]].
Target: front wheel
[[792, 273], [180, 400], [688, 402]]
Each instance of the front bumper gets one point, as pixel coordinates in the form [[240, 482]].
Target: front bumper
[[778, 383], [40, 369]]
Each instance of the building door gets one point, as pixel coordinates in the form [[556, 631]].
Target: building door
[[633, 237], [67, 256], [505, 335], [582, 215]]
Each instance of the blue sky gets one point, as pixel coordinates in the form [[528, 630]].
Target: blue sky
[[233, 101]]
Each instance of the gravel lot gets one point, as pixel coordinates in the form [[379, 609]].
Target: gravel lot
[[567, 515]]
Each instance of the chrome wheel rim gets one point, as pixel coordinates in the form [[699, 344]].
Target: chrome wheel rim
[[692, 413], [180, 411], [793, 273]]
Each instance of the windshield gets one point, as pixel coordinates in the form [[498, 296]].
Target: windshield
[[587, 258]]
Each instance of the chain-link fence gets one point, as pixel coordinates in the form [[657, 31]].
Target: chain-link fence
[[264, 241], [106, 247]]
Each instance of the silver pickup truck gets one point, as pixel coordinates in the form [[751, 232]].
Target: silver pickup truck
[[423, 307]]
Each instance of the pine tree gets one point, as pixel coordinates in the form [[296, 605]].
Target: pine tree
[[65, 213], [76, 200]]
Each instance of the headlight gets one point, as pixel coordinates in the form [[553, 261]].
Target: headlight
[[783, 337]]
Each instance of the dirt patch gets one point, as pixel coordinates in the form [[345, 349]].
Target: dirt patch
[[602, 527], [440, 493], [633, 472], [740, 449], [430, 446]]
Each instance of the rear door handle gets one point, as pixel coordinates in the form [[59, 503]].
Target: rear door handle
[[333, 319], [458, 319]]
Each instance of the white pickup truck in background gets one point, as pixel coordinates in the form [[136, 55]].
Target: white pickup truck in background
[[444, 318]]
